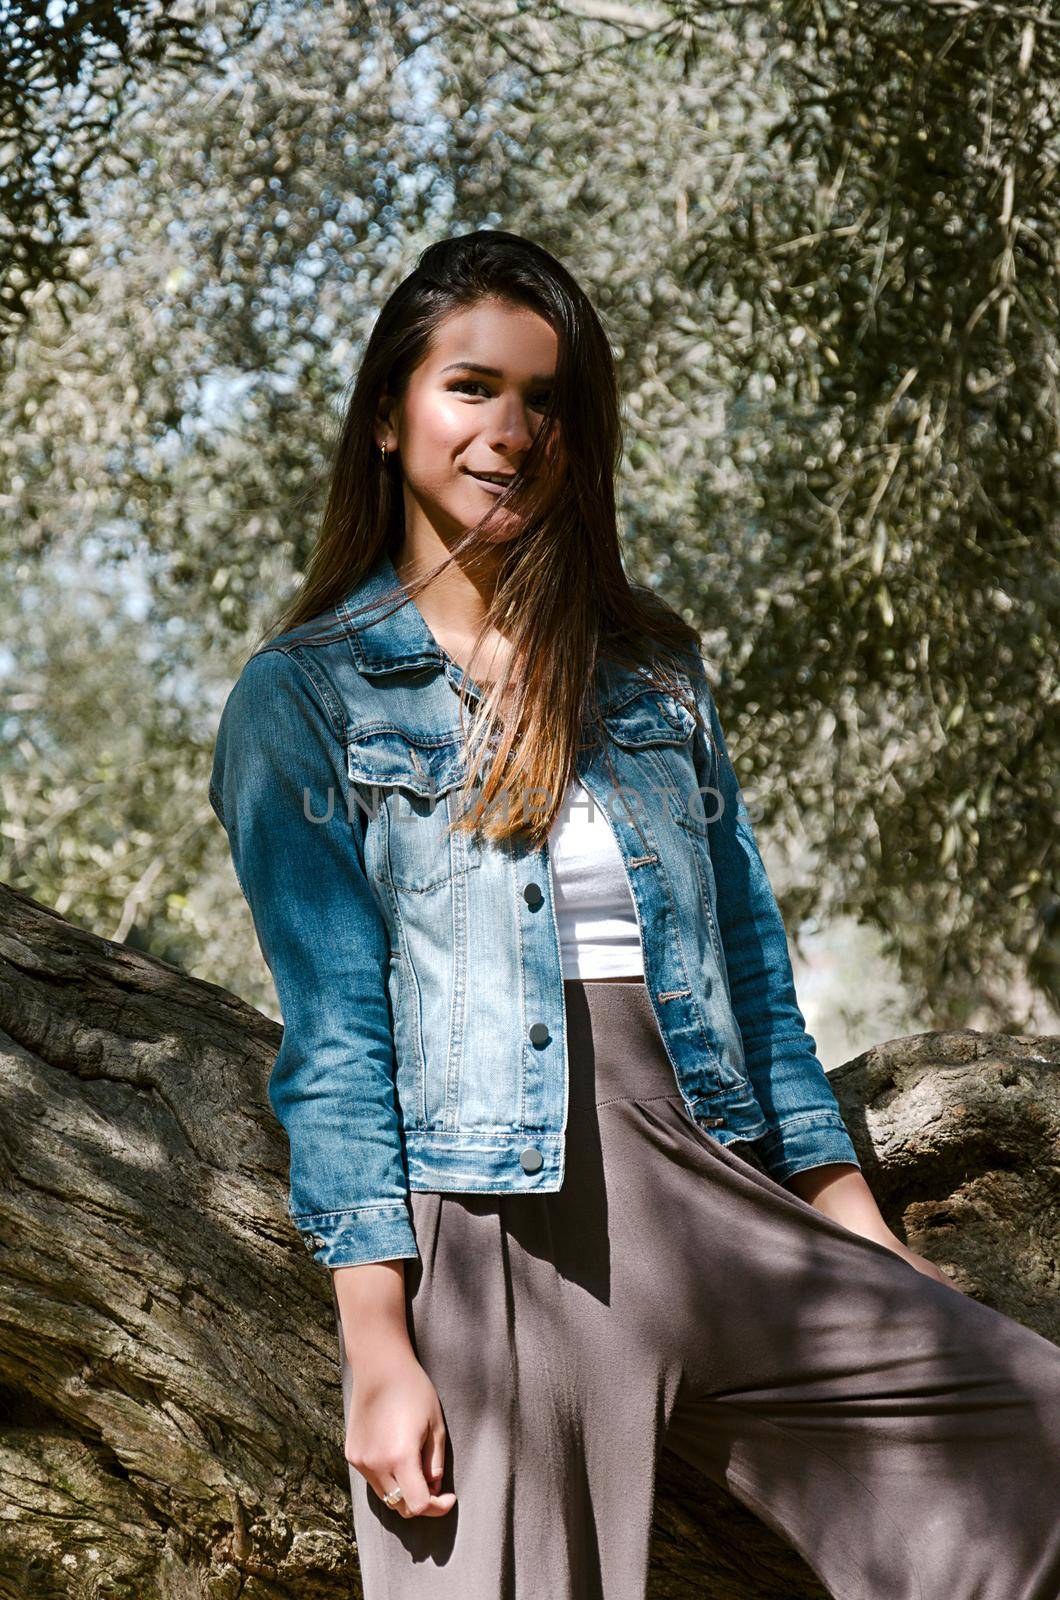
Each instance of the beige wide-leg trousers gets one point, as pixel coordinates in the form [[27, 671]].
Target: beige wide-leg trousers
[[904, 1438]]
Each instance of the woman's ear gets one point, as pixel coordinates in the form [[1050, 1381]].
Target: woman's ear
[[386, 424]]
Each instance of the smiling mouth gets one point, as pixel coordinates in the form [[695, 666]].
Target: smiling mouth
[[497, 480]]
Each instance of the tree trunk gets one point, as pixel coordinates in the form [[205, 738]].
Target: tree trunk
[[172, 1417]]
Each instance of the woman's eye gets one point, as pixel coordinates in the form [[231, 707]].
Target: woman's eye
[[539, 401]]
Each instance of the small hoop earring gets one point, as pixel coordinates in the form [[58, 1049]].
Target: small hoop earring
[[383, 449]]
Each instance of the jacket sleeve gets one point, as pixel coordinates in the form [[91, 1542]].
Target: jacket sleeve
[[279, 788], [806, 1128]]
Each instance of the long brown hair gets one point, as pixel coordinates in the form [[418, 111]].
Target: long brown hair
[[562, 597]]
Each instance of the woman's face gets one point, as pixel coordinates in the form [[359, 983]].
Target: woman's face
[[473, 406]]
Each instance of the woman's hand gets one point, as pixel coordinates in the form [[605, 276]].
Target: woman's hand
[[840, 1191], [395, 1435], [395, 1431], [921, 1263]]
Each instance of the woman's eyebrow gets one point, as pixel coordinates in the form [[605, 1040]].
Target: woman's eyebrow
[[492, 372]]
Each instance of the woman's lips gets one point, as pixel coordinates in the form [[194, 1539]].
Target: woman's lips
[[493, 488]]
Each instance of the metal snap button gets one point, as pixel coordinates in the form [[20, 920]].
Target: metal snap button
[[532, 894], [531, 1159], [539, 1033]]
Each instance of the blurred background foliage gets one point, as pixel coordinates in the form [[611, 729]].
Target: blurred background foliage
[[824, 239]]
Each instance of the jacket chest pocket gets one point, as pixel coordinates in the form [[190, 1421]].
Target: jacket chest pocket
[[410, 786], [696, 814], [656, 731], [661, 734]]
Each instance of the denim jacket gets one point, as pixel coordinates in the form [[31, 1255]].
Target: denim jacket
[[419, 974]]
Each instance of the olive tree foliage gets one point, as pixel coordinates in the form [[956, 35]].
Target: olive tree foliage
[[65, 74], [900, 276], [821, 241]]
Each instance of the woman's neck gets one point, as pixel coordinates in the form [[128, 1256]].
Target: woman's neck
[[454, 606]]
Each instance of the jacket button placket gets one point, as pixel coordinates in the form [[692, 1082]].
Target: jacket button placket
[[531, 1159], [532, 894]]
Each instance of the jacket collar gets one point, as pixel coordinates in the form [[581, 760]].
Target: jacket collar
[[399, 640]]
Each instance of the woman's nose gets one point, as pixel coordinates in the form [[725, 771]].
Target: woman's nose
[[510, 428]]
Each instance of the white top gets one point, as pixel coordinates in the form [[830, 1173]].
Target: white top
[[598, 930]]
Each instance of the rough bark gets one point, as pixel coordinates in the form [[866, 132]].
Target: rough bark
[[172, 1418]]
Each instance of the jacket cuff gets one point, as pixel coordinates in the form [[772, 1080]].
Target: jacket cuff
[[381, 1232], [806, 1141]]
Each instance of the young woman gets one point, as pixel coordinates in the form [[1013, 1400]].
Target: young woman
[[557, 1128]]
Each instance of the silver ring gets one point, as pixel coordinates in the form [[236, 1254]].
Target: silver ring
[[393, 1497]]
